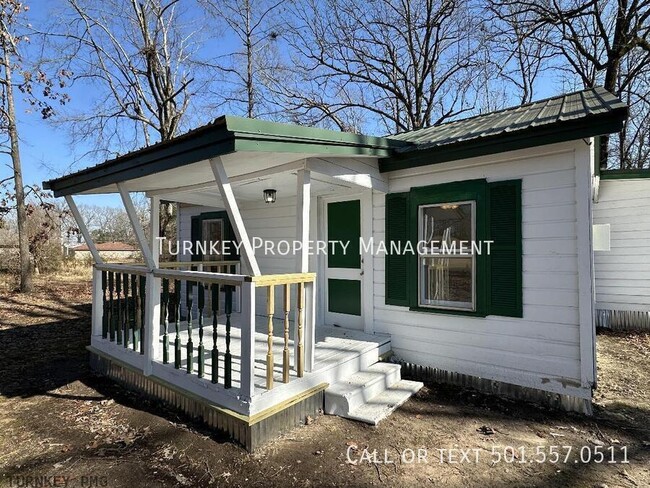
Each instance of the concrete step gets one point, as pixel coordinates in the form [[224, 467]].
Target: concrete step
[[355, 390], [385, 403]]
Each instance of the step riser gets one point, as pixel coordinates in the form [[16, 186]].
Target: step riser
[[336, 404]]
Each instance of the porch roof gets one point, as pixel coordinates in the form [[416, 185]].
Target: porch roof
[[225, 135], [573, 116]]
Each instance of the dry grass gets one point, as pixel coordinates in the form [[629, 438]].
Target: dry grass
[[57, 419]]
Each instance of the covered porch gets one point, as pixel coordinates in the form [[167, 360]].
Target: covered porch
[[249, 336]]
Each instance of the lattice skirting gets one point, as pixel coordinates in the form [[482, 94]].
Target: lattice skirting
[[623, 320], [250, 432], [521, 393]]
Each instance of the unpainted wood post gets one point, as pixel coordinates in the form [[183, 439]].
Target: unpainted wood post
[[300, 359], [285, 351], [270, 306]]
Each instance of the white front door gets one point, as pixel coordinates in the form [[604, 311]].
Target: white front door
[[342, 283]]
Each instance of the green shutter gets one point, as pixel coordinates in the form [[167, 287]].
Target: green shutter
[[505, 253], [197, 222], [397, 266]]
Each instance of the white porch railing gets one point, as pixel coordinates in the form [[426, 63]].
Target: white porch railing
[[134, 307]]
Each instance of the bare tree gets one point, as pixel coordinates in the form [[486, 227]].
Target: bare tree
[[603, 42], [135, 57], [15, 73], [520, 56], [395, 65], [255, 24]]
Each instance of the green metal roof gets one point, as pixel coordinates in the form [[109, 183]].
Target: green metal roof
[[573, 116], [224, 135], [585, 113]]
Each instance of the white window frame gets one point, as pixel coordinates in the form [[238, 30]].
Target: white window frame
[[428, 254]]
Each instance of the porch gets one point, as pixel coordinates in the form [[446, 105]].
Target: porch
[[208, 341], [254, 337]]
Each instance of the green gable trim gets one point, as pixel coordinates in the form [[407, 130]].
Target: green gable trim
[[504, 142], [624, 174]]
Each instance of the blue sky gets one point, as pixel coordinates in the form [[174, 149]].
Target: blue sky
[[45, 148]]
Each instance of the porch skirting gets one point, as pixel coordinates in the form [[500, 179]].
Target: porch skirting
[[623, 320], [249, 431], [521, 393]]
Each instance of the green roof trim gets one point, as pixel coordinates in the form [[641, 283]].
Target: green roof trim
[[624, 174], [583, 114], [225, 135]]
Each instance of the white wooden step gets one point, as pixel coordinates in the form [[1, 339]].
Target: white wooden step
[[382, 405], [352, 392]]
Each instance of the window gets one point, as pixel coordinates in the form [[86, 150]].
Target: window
[[212, 232], [448, 274], [447, 264]]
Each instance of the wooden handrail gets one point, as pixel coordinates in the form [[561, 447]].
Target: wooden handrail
[[202, 276], [123, 268], [282, 279], [182, 264]]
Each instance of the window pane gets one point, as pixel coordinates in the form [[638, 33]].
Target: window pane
[[447, 282], [212, 233], [448, 223]]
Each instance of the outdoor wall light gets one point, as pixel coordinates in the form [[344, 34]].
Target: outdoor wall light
[[269, 196]]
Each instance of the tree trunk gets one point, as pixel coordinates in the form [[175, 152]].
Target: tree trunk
[[26, 269]]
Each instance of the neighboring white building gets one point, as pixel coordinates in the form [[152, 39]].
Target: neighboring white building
[[622, 211]]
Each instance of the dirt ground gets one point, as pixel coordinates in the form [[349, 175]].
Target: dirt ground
[[60, 425]]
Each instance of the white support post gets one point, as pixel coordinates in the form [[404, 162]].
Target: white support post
[[137, 227], [248, 339], [310, 329], [154, 230], [83, 229], [302, 218], [303, 210], [233, 214], [98, 303], [151, 322]]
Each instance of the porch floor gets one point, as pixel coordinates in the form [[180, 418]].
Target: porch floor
[[334, 345]]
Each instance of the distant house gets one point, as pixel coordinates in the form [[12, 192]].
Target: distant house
[[109, 251]]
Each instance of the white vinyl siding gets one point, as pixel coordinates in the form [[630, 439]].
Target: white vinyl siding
[[540, 350], [623, 273]]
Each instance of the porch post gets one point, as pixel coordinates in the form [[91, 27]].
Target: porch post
[[154, 229], [151, 321], [153, 346], [233, 214], [83, 229], [248, 339], [98, 303], [302, 266]]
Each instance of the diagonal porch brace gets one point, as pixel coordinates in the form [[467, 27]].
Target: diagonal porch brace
[[235, 216]]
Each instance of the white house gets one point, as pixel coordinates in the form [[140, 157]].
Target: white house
[[271, 337]]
